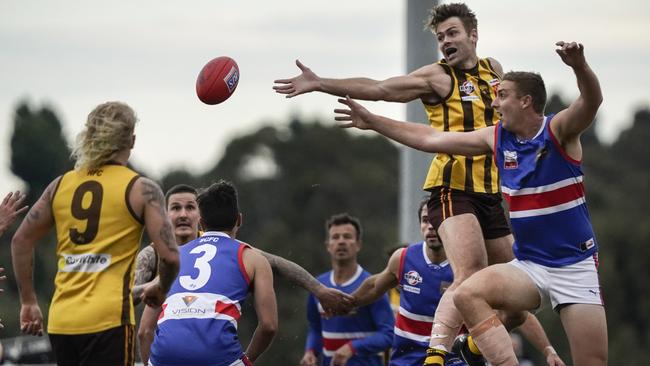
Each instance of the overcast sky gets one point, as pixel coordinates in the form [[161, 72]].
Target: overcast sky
[[74, 54]]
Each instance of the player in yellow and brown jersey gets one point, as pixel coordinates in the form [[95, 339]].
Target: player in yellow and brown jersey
[[464, 207], [99, 210]]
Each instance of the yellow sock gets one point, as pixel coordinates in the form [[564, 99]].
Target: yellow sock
[[472, 346], [435, 357]]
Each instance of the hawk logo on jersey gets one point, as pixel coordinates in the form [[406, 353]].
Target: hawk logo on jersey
[[189, 299], [413, 278], [466, 89], [510, 160]]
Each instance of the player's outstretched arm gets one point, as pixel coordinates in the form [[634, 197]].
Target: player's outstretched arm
[[395, 89], [36, 224], [416, 135], [332, 300], [261, 275], [375, 286], [148, 197], [10, 208], [569, 123]]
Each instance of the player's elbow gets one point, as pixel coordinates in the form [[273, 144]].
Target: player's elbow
[[268, 328]]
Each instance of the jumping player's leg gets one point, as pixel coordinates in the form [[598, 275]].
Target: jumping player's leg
[[501, 286], [586, 328], [463, 242]]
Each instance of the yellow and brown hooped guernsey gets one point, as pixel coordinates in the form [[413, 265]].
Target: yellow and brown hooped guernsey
[[466, 108], [98, 237]]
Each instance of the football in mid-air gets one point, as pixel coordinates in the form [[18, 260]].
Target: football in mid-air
[[217, 80]]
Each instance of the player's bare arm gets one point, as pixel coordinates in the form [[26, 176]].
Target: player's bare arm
[[496, 66], [36, 224], [10, 208], [568, 124], [375, 286], [332, 300], [146, 329], [151, 200], [261, 275], [416, 135], [145, 266], [427, 83]]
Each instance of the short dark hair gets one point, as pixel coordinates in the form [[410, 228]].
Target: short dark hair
[[529, 83], [443, 12], [343, 219], [218, 206], [423, 203], [180, 188]]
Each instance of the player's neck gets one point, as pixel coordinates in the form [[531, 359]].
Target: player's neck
[[531, 126], [468, 63], [344, 270], [436, 256]]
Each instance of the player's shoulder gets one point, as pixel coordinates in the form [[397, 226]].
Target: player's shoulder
[[430, 70], [494, 65]]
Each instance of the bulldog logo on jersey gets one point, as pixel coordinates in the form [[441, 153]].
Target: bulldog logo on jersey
[[413, 278], [510, 160]]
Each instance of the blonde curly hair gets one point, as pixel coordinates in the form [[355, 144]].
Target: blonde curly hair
[[108, 130]]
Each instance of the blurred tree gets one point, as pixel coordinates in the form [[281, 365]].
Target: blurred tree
[[39, 151]]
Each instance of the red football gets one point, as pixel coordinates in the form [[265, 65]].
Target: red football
[[217, 80]]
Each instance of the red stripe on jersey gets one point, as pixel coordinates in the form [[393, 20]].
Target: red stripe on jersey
[[227, 309], [162, 313], [545, 199], [330, 344], [413, 326]]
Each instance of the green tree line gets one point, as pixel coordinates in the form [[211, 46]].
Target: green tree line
[[292, 176]]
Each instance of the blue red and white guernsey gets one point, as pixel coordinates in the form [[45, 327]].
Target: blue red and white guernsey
[[544, 189], [421, 285], [198, 323], [369, 331]]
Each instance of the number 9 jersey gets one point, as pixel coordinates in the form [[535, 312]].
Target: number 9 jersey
[[98, 236]]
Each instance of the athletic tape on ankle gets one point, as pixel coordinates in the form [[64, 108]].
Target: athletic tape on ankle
[[446, 323]]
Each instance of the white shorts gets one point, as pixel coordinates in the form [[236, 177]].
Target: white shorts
[[573, 284]]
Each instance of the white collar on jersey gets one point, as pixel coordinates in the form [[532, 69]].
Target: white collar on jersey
[[215, 233], [539, 132], [348, 282], [426, 257]]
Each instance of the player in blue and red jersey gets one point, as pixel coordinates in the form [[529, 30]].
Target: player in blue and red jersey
[[539, 161], [355, 339], [198, 322]]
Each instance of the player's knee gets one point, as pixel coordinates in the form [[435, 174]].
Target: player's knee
[[465, 294]]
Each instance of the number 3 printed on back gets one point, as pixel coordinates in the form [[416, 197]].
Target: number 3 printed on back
[[202, 263]]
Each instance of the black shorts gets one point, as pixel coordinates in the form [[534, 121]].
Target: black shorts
[[111, 347], [446, 202]]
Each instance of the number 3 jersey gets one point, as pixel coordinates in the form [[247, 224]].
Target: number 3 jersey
[[98, 237], [198, 323]]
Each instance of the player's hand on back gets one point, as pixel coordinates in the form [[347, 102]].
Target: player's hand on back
[[153, 295], [306, 82]]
